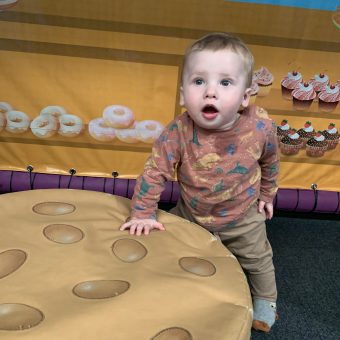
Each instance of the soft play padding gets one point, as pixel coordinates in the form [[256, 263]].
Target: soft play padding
[[67, 272], [293, 200]]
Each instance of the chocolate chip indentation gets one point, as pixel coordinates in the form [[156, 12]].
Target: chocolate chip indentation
[[173, 333], [100, 289], [17, 317], [63, 233], [197, 266], [129, 250], [10, 261], [54, 208]]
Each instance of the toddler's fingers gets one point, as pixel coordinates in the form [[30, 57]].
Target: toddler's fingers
[[158, 226], [260, 207], [124, 226], [139, 229], [133, 227]]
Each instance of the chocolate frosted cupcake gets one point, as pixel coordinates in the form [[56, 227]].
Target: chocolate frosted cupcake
[[332, 136], [306, 133], [282, 130], [316, 146], [291, 144]]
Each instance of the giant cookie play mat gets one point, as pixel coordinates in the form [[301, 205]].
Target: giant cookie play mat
[[67, 272]]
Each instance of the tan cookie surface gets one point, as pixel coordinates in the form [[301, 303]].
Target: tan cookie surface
[[67, 272]]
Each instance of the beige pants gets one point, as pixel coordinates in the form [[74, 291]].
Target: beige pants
[[247, 240]]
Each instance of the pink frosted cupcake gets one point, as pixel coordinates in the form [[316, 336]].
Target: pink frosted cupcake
[[282, 129], [332, 136], [264, 80], [316, 146], [291, 144], [306, 133], [289, 83], [319, 82], [254, 91], [303, 96], [329, 98]]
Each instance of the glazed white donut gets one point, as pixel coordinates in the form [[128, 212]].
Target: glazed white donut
[[149, 130], [5, 107], [6, 4], [2, 121], [44, 126], [118, 116], [54, 110], [127, 135], [70, 125], [17, 121], [100, 131]]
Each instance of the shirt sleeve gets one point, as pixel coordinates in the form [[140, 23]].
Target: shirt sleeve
[[269, 163], [160, 167]]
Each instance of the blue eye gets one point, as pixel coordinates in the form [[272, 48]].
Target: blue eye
[[199, 81], [225, 82]]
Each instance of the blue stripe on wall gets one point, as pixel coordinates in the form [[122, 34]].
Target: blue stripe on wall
[[325, 5]]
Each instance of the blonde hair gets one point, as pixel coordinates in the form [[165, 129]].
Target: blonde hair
[[223, 41]]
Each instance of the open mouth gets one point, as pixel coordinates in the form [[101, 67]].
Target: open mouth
[[209, 112]]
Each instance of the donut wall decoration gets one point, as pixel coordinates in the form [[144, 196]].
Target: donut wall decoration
[[90, 86], [67, 272], [117, 122], [6, 4]]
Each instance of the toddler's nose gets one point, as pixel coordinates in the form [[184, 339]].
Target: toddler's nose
[[210, 92]]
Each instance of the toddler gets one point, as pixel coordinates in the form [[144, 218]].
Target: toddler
[[224, 155]]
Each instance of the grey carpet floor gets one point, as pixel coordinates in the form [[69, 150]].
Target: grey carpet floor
[[307, 262]]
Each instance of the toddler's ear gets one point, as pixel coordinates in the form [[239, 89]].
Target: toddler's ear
[[181, 96], [246, 97]]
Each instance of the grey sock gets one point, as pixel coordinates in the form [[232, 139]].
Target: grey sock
[[264, 311]]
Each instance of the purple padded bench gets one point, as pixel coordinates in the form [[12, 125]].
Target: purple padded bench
[[295, 200]]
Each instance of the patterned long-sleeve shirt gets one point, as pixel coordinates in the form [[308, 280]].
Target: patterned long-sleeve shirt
[[220, 173]]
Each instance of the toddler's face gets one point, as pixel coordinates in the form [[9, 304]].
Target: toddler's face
[[214, 88]]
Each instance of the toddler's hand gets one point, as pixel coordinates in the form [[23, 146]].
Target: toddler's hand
[[138, 226], [267, 208]]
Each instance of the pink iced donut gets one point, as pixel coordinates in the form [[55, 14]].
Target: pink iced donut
[[118, 116], [149, 130], [70, 125], [17, 121], [100, 131], [44, 126]]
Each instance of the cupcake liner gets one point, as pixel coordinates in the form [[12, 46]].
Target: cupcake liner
[[289, 149], [332, 143], [315, 151]]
